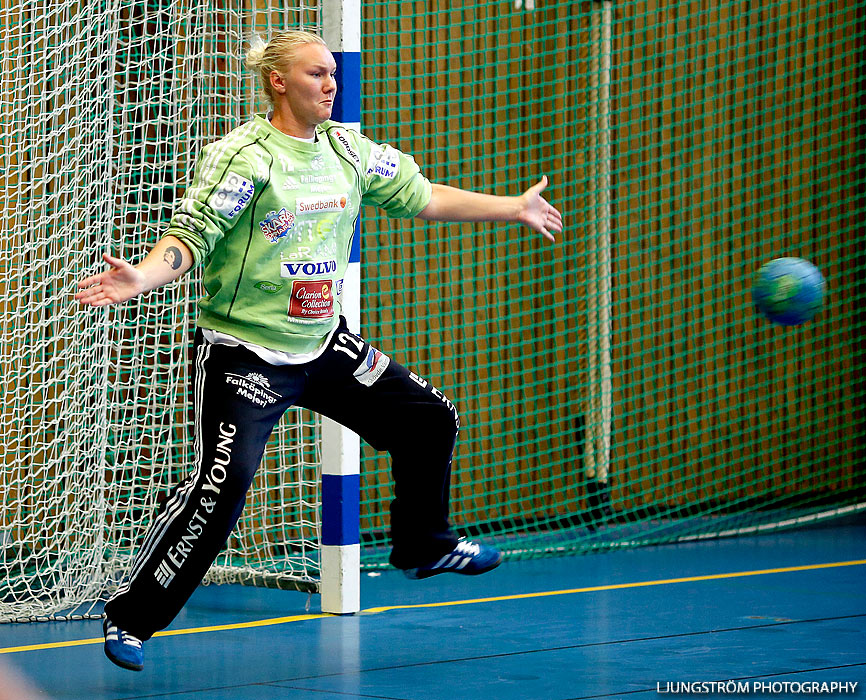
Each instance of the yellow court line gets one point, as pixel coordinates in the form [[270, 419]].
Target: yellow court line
[[616, 586], [171, 633], [517, 596]]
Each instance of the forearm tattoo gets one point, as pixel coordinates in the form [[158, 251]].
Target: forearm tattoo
[[173, 257]]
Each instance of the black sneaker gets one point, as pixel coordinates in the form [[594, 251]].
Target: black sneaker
[[468, 558]]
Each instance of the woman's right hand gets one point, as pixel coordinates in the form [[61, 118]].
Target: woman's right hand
[[118, 284]]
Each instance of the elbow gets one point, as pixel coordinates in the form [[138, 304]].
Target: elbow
[[431, 211], [427, 213]]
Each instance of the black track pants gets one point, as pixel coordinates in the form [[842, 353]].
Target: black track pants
[[238, 400]]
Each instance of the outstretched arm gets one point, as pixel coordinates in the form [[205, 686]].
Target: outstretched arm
[[168, 260], [529, 209]]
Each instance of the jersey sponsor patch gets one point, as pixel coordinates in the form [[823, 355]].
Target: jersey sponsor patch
[[384, 162], [311, 300], [254, 387], [319, 205], [232, 196], [373, 367], [341, 136], [277, 224], [268, 287], [307, 268]]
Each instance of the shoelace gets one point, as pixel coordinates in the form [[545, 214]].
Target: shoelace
[[468, 547]]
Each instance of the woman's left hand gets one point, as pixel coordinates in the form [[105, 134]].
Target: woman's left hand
[[538, 214]]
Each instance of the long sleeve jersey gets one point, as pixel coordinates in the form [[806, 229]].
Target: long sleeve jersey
[[272, 220]]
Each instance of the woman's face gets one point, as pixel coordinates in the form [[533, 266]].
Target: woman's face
[[310, 86]]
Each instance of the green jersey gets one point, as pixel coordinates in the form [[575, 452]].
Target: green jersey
[[272, 220]]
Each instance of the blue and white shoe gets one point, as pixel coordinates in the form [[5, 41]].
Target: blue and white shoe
[[122, 648], [468, 558]]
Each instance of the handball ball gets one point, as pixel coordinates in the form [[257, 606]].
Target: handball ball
[[788, 291]]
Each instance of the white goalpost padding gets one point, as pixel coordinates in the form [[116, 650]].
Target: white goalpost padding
[[340, 542]]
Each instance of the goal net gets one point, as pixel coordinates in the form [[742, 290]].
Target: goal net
[[103, 109], [618, 388]]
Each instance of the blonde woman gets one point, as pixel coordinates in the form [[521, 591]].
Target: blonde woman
[[270, 214]]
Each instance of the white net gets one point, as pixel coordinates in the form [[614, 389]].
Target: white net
[[104, 107]]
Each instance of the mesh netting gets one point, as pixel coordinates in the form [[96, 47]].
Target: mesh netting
[[618, 388], [104, 107]]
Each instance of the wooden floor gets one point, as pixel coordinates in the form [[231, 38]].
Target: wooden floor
[[778, 609]]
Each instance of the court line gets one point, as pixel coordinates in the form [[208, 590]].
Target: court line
[[474, 601], [618, 586], [292, 682], [172, 633]]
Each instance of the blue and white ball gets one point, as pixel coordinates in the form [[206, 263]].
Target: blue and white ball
[[788, 291]]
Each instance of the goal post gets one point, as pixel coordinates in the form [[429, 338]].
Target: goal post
[[341, 448]]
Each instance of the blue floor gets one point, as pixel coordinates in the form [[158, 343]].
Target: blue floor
[[806, 626]]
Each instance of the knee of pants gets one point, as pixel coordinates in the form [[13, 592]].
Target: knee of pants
[[431, 424], [228, 477], [449, 419], [226, 471]]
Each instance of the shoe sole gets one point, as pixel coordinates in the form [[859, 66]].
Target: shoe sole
[[124, 664]]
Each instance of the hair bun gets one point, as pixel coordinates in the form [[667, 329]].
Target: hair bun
[[256, 52]]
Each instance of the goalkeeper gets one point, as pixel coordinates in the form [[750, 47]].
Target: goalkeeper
[[271, 214]]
